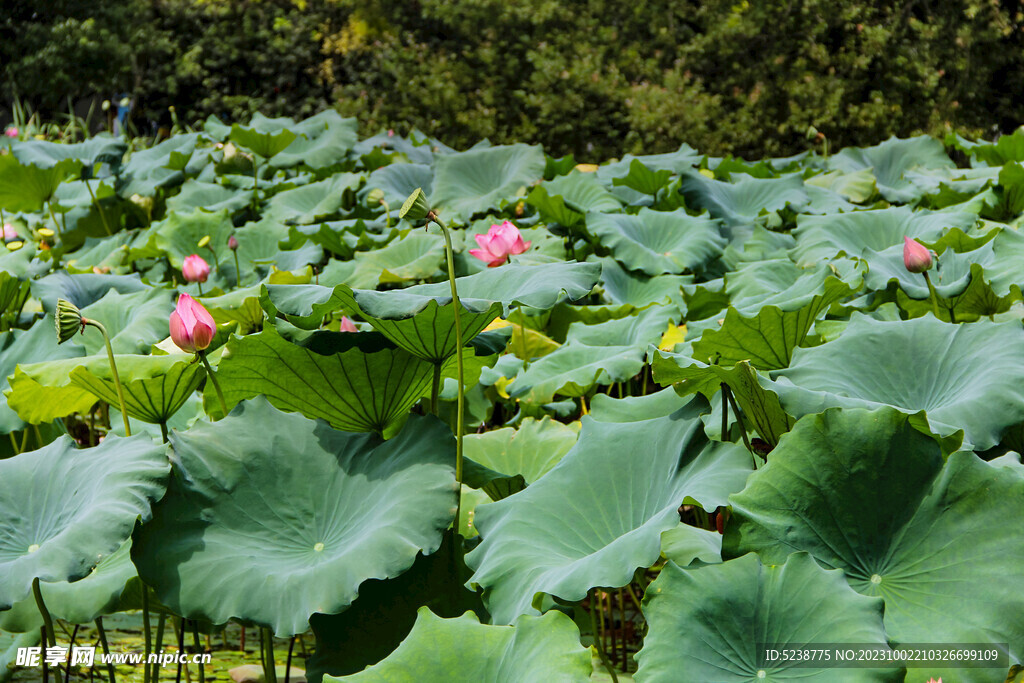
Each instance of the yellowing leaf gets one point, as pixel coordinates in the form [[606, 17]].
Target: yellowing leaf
[[675, 334]]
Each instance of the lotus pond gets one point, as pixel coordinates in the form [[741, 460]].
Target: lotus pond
[[408, 413]]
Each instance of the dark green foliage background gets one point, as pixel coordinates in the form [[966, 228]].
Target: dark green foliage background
[[596, 79]]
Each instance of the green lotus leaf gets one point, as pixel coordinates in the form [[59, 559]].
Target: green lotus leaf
[[25, 347], [604, 408], [80, 602], [265, 144], [42, 392], [313, 202], [99, 149], [740, 203], [148, 170], [857, 186], [259, 245], [950, 278], [155, 387], [601, 520], [327, 140], [553, 209], [208, 196], [398, 181], [14, 293], [966, 377], [643, 179], [66, 509], [889, 161], [967, 303], [271, 527], [463, 651], [714, 623], [658, 242], [758, 404], [530, 450], [83, 289], [582, 192], [10, 644], [1006, 269], [621, 286], [476, 181], [684, 544], [540, 286], [768, 339], [1006, 148], [822, 237], [352, 390], [866, 492], [385, 611], [680, 161], [178, 236], [417, 256], [574, 369], [28, 187]]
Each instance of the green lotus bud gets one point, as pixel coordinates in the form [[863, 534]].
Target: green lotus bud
[[376, 196], [415, 207], [69, 320]]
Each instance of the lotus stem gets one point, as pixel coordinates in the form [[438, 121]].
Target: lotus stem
[[934, 296], [113, 371], [743, 428], [198, 649], [200, 286], [51, 636], [238, 271], [160, 626], [163, 430], [288, 662], [147, 630], [725, 411], [460, 413], [53, 215], [387, 222], [216, 384], [435, 388], [106, 649], [597, 638], [103, 215], [269, 669]]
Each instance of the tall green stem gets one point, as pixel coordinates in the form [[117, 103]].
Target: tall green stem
[[53, 216], [103, 215], [113, 371], [934, 295], [238, 271], [106, 648], [597, 638], [216, 384], [51, 637], [269, 666], [460, 420], [147, 630], [435, 387]]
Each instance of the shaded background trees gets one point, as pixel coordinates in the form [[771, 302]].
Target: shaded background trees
[[596, 79]]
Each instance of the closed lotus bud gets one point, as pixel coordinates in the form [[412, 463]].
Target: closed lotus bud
[[69, 320], [195, 269], [916, 256], [192, 326], [415, 207], [376, 196], [232, 243]]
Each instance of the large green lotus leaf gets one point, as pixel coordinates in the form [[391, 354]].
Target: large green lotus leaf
[[150, 169], [866, 492], [99, 149], [155, 387], [463, 650], [658, 242], [966, 303], [858, 186], [65, 509], [643, 179], [417, 256], [741, 202], [14, 292], [950, 278], [574, 369], [83, 289], [272, 526], [768, 339], [553, 209], [476, 181], [385, 611], [134, 321], [686, 543], [822, 237], [353, 390], [10, 646], [398, 181], [80, 602], [621, 286], [639, 330], [313, 202], [540, 286], [266, 144], [968, 377], [27, 187], [713, 623], [530, 450], [178, 235], [18, 347], [890, 160], [680, 161], [582, 192], [327, 139], [208, 196], [602, 508], [604, 408], [760, 406]]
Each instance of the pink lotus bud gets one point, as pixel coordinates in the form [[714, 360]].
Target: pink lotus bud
[[192, 326], [916, 256], [11, 132], [932, 680], [498, 244], [347, 325], [195, 269], [10, 234], [232, 243]]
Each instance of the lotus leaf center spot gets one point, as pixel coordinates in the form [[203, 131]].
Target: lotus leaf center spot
[[876, 579], [762, 674], [34, 547], [319, 547]]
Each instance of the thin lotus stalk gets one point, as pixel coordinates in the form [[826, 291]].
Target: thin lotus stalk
[[743, 429], [216, 384], [53, 215], [597, 636], [238, 270], [288, 662], [622, 625], [147, 631], [67, 659], [269, 668], [198, 649], [179, 635], [160, 626], [435, 388], [112, 678], [103, 214], [725, 411], [51, 636], [113, 371], [934, 296]]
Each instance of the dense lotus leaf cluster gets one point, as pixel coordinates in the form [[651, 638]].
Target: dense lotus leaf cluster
[[710, 411]]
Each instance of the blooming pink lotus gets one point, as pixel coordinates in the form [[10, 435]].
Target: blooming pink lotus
[[916, 256], [192, 326], [498, 244], [195, 269], [11, 132], [10, 234]]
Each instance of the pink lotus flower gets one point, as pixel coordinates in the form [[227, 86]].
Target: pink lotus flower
[[11, 132], [932, 680], [916, 256], [498, 244], [192, 326], [10, 234], [347, 325], [195, 269]]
